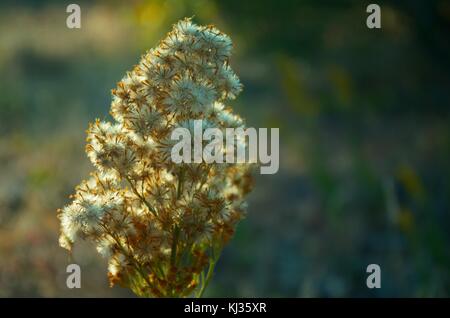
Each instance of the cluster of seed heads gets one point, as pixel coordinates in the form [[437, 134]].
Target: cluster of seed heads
[[161, 224]]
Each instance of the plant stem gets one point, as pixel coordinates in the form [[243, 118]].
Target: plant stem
[[173, 255], [205, 283], [141, 197]]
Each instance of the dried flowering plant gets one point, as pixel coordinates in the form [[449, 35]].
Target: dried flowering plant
[[160, 224]]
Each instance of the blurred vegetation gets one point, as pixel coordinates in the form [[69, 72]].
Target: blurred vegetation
[[365, 140]]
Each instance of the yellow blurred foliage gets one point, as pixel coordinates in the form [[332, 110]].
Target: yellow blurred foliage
[[293, 84], [411, 181]]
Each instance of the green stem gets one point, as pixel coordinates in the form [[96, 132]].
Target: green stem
[[205, 282], [173, 255]]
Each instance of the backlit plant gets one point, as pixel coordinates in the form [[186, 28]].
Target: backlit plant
[[160, 224]]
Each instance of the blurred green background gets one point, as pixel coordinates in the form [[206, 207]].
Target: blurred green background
[[364, 140]]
